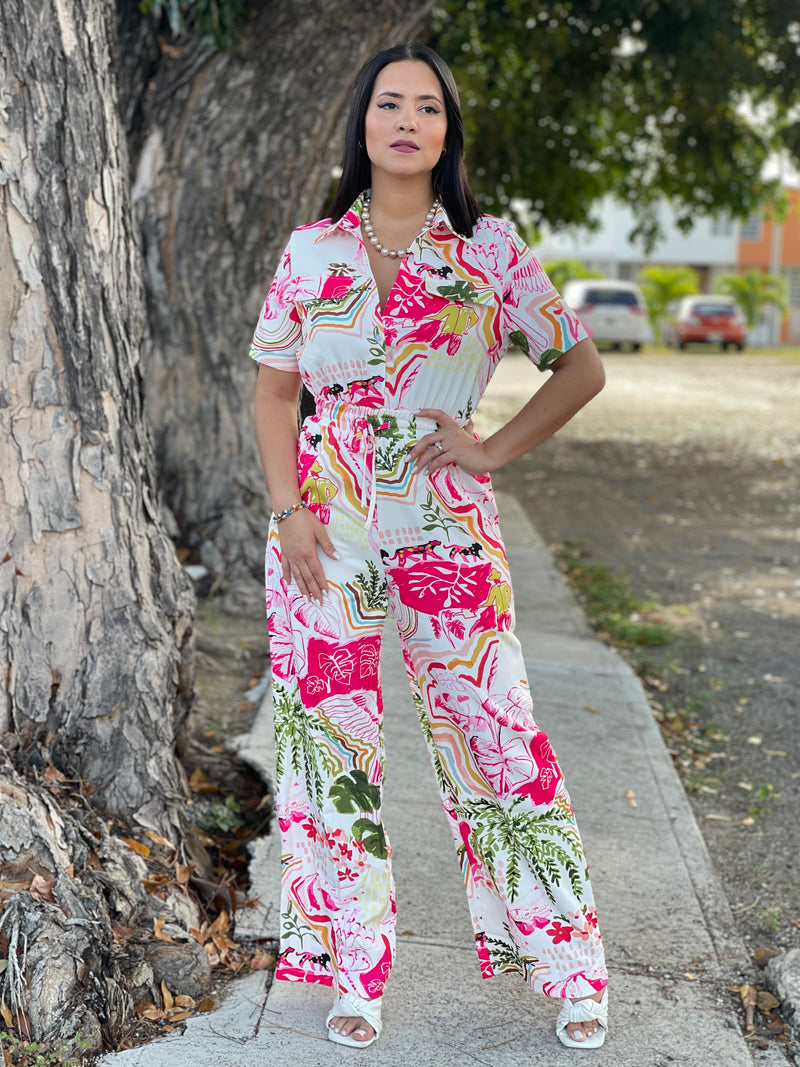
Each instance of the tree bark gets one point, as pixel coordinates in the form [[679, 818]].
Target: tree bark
[[231, 152], [95, 612]]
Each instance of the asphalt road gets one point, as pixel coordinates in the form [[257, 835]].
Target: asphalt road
[[685, 473]]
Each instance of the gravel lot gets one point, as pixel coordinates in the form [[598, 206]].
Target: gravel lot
[[685, 473]]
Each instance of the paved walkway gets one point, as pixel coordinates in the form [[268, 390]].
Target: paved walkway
[[670, 939]]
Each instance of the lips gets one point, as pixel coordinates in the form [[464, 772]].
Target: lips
[[405, 146]]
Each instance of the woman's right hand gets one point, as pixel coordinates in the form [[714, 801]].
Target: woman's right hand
[[299, 535]]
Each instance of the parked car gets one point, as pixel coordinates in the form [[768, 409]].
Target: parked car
[[613, 312], [714, 320]]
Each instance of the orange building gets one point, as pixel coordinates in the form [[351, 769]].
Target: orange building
[[774, 246]]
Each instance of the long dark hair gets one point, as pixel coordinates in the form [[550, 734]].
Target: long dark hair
[[450, 181]]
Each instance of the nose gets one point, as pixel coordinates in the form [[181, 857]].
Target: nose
[[407, 122]]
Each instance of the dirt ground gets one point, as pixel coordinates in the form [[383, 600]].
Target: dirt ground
[[685, 473]]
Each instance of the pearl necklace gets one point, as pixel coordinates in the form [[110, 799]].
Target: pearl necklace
[[394, 253]]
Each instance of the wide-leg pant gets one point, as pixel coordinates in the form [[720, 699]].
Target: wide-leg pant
[[432, 554]]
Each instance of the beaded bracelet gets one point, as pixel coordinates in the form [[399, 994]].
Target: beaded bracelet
[[279, 516]]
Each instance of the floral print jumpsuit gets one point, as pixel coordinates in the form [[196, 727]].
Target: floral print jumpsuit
[[426, 547]]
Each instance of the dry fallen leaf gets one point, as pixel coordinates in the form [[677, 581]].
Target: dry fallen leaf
[[156, 882], [765, 1001], [262, 961], [121, 934], [206, 1004], [165, 993], [53, 774], [159, 840], [5, 1011], [200, 783], [42, 888], [184, 1001], [179, 1016], [158, 929], [221, 923], [137, 846], [183, 873]]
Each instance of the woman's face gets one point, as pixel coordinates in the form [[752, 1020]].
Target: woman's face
[[406, 123]]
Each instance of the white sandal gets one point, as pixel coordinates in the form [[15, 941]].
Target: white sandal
[[583, 1011], [351, 1006]]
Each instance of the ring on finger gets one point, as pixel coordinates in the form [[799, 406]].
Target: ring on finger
[[439, 445]]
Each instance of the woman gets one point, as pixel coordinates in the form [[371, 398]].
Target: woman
[[394, 313]]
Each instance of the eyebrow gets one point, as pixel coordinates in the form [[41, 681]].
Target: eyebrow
[[399, 96]]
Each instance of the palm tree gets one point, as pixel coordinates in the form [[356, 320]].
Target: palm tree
[[753, 290], [514, 835], [662, 285]]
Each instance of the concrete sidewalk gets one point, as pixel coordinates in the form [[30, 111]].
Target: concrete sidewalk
[[669, 934]]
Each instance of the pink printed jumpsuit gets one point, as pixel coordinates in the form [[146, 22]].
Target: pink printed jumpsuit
[[428, 548]]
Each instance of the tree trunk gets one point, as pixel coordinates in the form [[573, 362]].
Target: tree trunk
[[232, 151], [95, 612]]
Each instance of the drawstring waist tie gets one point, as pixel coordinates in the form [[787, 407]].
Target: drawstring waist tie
[[361, 424]]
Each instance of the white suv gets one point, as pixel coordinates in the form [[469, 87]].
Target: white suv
[[613, 312]]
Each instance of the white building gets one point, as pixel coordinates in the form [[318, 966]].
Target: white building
[[711, 246]]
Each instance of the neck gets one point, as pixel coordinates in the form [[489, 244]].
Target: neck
[[398, 200]]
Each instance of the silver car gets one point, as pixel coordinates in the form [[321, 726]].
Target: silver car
[[613, 312]]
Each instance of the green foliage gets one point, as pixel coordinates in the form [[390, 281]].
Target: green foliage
[[609, 603], [373, 588], [510, 836], [662, 285], [771, 919], [22, 1053], [296, 741], [753, 290], [568, 101], [372, 836], [561, 271], [354, 792], [213, 20], [762, 803], [222, 816]]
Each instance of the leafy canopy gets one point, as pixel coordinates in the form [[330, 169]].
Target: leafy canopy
[[567, 101]]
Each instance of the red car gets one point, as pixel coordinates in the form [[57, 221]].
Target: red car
[[715, 320]]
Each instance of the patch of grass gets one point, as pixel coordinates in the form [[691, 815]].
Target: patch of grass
[[611, 607], [771, 919], [222, 816], [762, 799], [22, 1053]]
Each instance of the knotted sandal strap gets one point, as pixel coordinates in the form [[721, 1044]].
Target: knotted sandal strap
[[351, 1006], [584, 1011]]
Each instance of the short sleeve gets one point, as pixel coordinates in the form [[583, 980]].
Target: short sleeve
[[535, 317], [278, 333]]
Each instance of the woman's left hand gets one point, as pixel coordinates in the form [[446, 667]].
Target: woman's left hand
[[450, 443]]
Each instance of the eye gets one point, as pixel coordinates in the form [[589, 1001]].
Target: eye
[[430, 109], [387, 105]]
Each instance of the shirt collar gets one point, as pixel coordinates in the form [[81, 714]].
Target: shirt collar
[[351, 220]]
